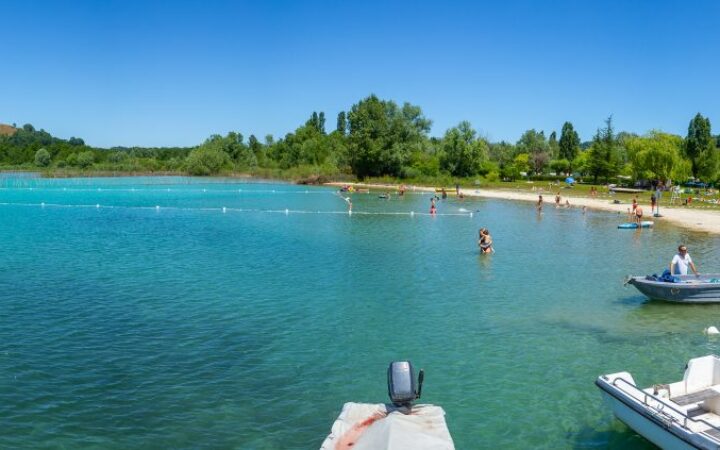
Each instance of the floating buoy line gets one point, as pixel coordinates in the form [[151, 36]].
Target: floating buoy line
[[211, 190], [223, 191], [226, 209]]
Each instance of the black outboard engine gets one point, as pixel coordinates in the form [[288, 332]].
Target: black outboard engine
[[402, 388]]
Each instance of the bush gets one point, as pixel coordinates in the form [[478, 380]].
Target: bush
[[42, 158], [118, 157], [510, 172], [71, 160], [206, 161], [488, 167], [85, 159]]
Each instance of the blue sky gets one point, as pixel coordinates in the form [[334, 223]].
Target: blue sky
[[172, 73]]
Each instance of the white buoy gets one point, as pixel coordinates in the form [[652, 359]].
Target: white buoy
[[224, 210], [412, 213], [471, 214], [287, 211], [157, 207], [98, 205], [42, 204], [711, 331], [349, 212]]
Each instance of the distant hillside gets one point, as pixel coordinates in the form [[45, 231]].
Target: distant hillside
[[7, 130]]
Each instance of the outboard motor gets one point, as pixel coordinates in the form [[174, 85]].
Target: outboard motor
[[402, 388]]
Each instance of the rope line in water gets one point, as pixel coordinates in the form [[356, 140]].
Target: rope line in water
[[237, 191], [224, 209], [182, 189]]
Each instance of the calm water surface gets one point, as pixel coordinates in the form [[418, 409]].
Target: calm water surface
[[135, 313]]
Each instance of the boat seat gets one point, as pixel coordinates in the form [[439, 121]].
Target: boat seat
[[695, 412], [714, 432], [695, 397]]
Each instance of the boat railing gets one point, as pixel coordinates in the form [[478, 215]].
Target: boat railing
[[684, 415]]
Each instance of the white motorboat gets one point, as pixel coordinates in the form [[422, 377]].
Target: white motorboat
[[396, 426], [680, 415]]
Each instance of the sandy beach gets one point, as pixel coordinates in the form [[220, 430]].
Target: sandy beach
[[692, 219]]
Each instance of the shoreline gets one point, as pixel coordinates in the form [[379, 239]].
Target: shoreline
[[691, 219]]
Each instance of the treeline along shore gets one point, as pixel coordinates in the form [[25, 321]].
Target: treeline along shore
[[378, 138]]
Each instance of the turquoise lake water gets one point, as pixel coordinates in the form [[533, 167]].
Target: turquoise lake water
[[137, 314]]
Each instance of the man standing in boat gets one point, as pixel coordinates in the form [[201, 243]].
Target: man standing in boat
[[682, 260]]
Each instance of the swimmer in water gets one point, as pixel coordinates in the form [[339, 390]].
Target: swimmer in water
[[433, 209], [485, 242], [539, 203]]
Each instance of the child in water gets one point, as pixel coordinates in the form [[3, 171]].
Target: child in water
[[433, 209]]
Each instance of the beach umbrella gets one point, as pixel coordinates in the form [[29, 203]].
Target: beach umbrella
[[570, 180]]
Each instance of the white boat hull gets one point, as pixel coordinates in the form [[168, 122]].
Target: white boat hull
[[681, 415], [653, 431]]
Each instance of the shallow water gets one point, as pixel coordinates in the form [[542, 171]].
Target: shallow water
[[137, 314]]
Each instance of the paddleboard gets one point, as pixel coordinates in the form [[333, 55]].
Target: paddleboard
[[632, 225]]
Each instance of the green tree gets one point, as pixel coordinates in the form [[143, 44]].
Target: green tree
[[463, 154], [42, 158], [341, 123], [535, 145], [317, 121], [383, 136], [321, 122], [208, 159], [654, 156], [501, 152], [560, 165], [569, 144], [522, 162], [71, 159], [308, 145], [85, 159], [700, 148], [553, 146], [603, 155], [581, 162]]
